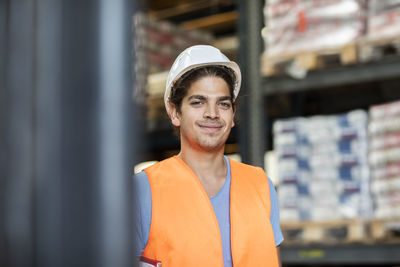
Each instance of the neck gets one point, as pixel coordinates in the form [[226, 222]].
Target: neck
[[205, 163]]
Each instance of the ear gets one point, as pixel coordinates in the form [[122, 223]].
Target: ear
[[174, 115], [233, 117]]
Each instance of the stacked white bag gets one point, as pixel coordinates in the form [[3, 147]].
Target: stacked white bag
[[323, 167], [384, 130], [293, 26], [383, 19]]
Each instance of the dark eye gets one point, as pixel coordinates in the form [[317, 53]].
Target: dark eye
[[225, 104], [195, 103]]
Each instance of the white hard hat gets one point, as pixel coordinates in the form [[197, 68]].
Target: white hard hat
[[197, 56]]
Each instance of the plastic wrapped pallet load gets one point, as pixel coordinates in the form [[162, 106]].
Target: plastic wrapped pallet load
[[383, 19], [294, 26], [384, 158], [323, 167]]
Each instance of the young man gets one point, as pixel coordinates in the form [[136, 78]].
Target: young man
[[200, 208]]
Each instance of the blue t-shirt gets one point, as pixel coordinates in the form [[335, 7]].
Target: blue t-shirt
[[220, 203]]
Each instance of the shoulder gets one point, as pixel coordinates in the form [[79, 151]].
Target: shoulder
[[142, 195], [251, 174], [246, 168], [142, 211], [166, 163], [141, 183], [248, 176]]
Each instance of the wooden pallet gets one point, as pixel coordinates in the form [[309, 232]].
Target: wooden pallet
[[309, 60], [324, 232], [387, 230], [375, 49]]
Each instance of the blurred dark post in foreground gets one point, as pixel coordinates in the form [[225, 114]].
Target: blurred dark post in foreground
[[67, 133]]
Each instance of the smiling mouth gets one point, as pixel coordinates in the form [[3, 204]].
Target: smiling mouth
[[211, 128]]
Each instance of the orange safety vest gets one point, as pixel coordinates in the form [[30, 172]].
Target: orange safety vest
[[184, 230]]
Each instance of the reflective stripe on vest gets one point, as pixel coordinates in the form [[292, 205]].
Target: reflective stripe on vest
[[184, 230]]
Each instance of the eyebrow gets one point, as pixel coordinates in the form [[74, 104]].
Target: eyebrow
[[223, 98], [202, 97]]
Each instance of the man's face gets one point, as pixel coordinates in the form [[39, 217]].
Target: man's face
[[206, 116]]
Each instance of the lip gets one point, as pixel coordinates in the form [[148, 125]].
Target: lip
[[210, 127]]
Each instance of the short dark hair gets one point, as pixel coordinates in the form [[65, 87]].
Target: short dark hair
[[181, 86]]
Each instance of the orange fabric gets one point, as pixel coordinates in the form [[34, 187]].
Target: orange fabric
[[184, 230], [252, 237]]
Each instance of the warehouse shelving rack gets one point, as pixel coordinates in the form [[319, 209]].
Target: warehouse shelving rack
[[253, 136], [256, 89], [388, 68]]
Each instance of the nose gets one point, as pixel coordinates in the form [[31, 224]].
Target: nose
[[211, 111]]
